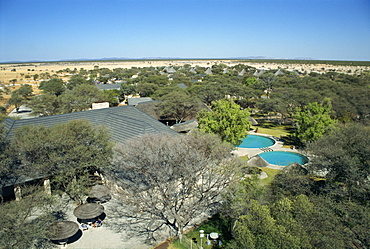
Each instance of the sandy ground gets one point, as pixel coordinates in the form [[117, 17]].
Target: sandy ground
[[105, 236]]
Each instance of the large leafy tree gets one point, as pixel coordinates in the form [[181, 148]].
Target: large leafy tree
[[17, 100], [81, 97], [45, 105], [179, 106], [174, 181], [258, 229], [345, 155], [54, 86], [69, 152], [226, 120], [25, 91], [27, 220], [209, 92], [313, 120], [77, 80]]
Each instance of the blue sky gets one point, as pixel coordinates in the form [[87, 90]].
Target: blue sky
[[71, 29]]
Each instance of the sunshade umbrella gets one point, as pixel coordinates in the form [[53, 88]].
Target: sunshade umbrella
[[63, 230], [88, 211], [100, 192]]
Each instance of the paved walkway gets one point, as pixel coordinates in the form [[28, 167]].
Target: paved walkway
[[105, 237]]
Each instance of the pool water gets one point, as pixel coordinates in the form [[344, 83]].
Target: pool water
[[255, 141], [283, 158]]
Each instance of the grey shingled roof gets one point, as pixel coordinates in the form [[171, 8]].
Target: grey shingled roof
[[135, 101], [182, 85], [123, 122], [109, 86]]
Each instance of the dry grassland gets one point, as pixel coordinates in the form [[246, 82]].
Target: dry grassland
[[18, 72]]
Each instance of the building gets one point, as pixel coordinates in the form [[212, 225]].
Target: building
[[123, 122]]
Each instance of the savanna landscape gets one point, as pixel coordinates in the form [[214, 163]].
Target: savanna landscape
[[316, 108]]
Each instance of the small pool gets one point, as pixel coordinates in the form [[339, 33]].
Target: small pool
[[283, 158], [255, 141]]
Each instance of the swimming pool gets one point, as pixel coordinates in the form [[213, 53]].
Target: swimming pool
[[255, 141], [283, 158]]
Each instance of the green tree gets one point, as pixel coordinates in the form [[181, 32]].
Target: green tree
[[69, 152], [208, 93], [179, 106], [27, 221], [226, 120], [113, 96], [146, 89], [250, 81], [54, 86], [313, 120], [237, 198], [25, 91], [267, 80], [128, 89], [345, 155], [81, 98], [17, 100], [258, 229], [45, 105], [77, 80]]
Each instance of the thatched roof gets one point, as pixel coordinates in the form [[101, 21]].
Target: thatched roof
[[186, 126], [279, 72], [208, 71], [257, 161], [63, 230], [252, 120], [242, 72], [100, 192], [88, 211], [193, 71], [257, 74], [296, 168]]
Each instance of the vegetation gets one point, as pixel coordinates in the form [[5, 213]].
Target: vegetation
[[321, 205], [226, 120], [68, 152], [301, 210], [313, 120], [174, 181], [21, 227]]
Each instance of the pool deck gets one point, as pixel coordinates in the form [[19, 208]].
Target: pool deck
[[251, 152]]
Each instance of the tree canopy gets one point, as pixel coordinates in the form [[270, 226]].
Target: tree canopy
[[54, 86], [226, 120], [175, 180], [313, 120], [68, 152]]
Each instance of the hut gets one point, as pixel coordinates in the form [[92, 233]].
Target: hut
[[208, 71], [257, 161]]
